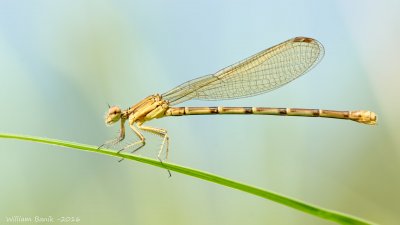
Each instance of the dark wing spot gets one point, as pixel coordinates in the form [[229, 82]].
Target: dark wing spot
[[303, 39]]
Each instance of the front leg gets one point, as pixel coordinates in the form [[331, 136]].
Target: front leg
[[116, 140]]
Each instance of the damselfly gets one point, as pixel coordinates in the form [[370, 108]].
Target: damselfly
[[260, 73]]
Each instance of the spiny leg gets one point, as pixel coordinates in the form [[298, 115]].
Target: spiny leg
[[161, 132], [116, 140], [141, 142]]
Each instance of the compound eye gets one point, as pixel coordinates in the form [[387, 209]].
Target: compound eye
[[114, 110]]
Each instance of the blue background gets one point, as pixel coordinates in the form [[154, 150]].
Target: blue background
[[61, 62]]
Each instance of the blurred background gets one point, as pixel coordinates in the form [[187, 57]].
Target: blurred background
[[61, 62]]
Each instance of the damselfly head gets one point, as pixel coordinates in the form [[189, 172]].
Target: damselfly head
[[113, 115]]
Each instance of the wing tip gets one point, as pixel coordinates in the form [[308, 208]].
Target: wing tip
[[311, 41]]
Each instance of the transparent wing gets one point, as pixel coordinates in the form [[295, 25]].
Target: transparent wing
[[260, 73]]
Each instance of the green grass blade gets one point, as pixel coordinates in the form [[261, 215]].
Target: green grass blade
[[290, 202]]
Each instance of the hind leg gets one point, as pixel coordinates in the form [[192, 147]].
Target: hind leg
[[160, 132]]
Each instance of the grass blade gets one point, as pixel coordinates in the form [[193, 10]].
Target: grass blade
[[284, 200]]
